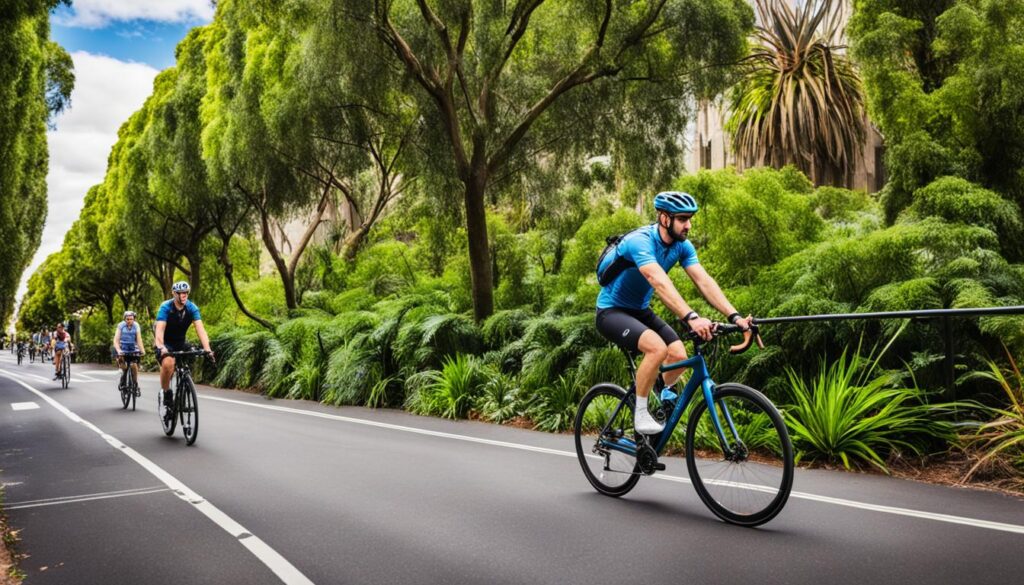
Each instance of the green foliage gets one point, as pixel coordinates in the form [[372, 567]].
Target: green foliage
[[936, 76], [449, 392], [1002, 437], [846, 415], [499, 401], [554, 407]]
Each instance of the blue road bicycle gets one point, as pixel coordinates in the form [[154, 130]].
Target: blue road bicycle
[[738, 452]]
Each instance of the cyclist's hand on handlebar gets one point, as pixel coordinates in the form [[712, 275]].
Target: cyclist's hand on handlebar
[[745, 322], [702, 327]]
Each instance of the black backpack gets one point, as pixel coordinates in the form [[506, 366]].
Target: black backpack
[[618, 265]]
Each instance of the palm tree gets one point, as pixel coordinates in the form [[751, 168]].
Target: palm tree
[[800, 101]]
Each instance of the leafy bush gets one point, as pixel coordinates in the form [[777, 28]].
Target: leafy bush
[[499, 400], [554, 406], [845, 415], [1002, 437], [449, 392]]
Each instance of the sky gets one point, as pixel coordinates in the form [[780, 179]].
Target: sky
[[118, 47]]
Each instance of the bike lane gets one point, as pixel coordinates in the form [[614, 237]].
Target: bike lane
[[86, 513]]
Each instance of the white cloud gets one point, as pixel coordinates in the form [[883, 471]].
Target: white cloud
[[99, 13], [107, 92]]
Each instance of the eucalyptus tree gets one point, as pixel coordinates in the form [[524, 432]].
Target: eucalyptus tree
[[252, 138], [503, 83], [35, 81], [800, 101], [181, 194]]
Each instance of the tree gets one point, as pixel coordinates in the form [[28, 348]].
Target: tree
[[36, 79], [940, 83], [800, 101], [490, 78]]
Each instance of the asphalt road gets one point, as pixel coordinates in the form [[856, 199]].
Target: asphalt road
[[291, 491]]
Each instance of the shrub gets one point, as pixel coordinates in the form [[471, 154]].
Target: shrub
[[449, 392], [844, 415], [1002, 437]]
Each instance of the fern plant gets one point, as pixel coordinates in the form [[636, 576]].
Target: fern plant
[[449, 392]]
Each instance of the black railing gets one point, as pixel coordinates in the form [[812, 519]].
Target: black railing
[[944, 314]]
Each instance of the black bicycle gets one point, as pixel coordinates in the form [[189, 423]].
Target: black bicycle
[[31, 353], [129, 385], [21, 353], [64, 373], [185, 405]]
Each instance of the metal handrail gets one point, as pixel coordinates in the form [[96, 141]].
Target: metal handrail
[[944, 314]]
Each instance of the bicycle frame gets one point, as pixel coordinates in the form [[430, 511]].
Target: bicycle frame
[[701, 379]]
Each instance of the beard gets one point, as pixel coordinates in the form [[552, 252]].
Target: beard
[[679, 237]]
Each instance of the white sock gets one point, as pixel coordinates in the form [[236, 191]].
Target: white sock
[[641, 403]]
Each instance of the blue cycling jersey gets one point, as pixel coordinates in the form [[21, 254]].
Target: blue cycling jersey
[[630, 290], [128, 335], [177, 321]]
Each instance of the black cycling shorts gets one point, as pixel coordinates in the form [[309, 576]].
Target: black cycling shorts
[[623, 327]]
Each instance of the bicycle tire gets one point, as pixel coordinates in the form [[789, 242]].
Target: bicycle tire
[[188, 410], [743, 492], [169, 423], [66, 371], [125, 389], [133, 385], [605, 469]]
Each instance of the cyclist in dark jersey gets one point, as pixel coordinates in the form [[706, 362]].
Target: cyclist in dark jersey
[[624, 316], [172, 323]]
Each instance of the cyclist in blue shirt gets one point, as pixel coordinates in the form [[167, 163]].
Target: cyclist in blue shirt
[[624, 316], [172, 323], [128, 339]]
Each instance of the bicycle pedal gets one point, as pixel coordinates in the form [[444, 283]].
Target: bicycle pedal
[[659, 467]]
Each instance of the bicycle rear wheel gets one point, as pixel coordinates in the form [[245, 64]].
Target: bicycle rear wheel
[[750, 484], [188, 410], [610, 471]]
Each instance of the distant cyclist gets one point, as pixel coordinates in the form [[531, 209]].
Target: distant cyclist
[[624, 316], [128, 339], [172, 322], [60, 340]]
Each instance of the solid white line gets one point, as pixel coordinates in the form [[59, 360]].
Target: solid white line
[[268, 556], [84, 498], [24, 405], [1001, 526]]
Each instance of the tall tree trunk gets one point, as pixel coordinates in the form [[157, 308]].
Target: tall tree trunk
[[282, 268], [479, 254], [229, 274]]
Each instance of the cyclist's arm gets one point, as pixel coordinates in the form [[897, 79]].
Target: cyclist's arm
[[203, 338], [158, 334], [710, 290], [138, 341], [666, 291], [117, 339]]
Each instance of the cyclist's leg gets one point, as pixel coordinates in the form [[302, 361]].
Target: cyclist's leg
[[57, 354], [626, 329]]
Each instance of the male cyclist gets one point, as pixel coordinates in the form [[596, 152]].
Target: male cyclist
[[624, 316], [172, 322], [60, 341], [128, 339]]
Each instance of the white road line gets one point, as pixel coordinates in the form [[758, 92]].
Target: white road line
[[977, 523], [268, 556], [24, 405], [83, 498]]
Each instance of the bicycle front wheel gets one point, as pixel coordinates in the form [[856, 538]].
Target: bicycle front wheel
[[748, 481], [126, 390], [133, 386], [66, 369], [188, 410], [600, 425]]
